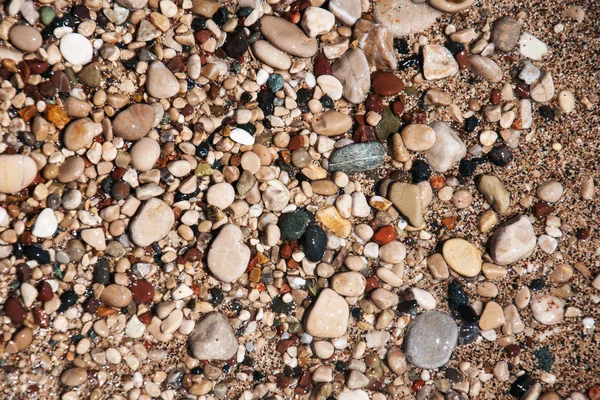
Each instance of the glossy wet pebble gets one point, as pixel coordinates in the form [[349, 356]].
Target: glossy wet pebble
[[431, 339]]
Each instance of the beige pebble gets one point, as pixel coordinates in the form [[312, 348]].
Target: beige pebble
[[462, 257], [492, 316]]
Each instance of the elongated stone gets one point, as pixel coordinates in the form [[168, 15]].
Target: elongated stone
[[288, 37], [358, 157]]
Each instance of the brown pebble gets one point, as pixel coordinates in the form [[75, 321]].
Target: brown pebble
[[142, 291], [15, 311]]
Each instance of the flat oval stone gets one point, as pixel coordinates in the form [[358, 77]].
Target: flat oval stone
[[153, 223], [332, 123], [16, 172], [462, 257], [315, 243], [76, 49], [405, 17], [135, 122], [513, 241], [293, 225], [505, 33], [386, 83], [485, 68], [221, 195], [547, 309], [288, 37], [144, 154], [431, 339], [328, 317], [271, 55], [228, 256], [116, 296], [160, 81], [418, 137], [71, 169], [451, 6], [25, 37], [550, 191], [358, 157], [350, 284], [80, 133], [74, 377], [213, 338]]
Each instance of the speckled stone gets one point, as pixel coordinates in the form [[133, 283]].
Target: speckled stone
[[358, 157], [431, 339]]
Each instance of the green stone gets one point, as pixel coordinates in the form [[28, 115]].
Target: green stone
[[47, 14], [411, 91], [90, 75], [275, 82], [389, 124], [203, 169], [358, 157], [294, 225]]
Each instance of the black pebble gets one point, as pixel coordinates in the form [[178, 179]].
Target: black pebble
[[315, 242], [500, 155], [420, 171], [202, 150], [412, 61], [456, 296], [467, 333], [471, 123], [454, 47], [327, 101], [67, 300], [221, 16], [401, 46], [547, 113], [407, 307], [37, 253], [537, 284], [236, 44], [279, 306], [521, 385], [467, 313], [265, 101], [101, 272], [467, 167]]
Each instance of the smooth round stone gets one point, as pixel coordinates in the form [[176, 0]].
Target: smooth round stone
[[153, 223], [386, 83], [213, 338], [392, 252], [288, 37], [142, 291], [451, 6], [228, 256], [144, 154], [350, 284], [513, 241], [547, 309], [250, 161], [80, 134], [135, 122], [431, 339], [45, 224], [179, 168], [15, 311], [71, 169], [566, 101], [550, 191], [328, 317], [332, 123], [462, 257], [221, 195], [505, 33], [16, 172], [315, 243], [75, 107], [25, 37], [317, 21], [242, 137], [418, 137], [116, 296], [133, 4], [271, 55], [293, 225], [492, 316], [74, 377], [76, 49], [485, 68], [160, 81]]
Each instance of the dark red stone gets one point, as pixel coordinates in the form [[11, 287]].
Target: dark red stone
[[364, 133], [193, 254], [397, 108], [522, 91], [385, 235], [386, 83], [15, 311], [295, 143], [512, 350], [462, 58], [374, 103], [23, 272], [321, 66], [91, 305], [542, 210], [496, 97], [142, 291], [40, 317], [44, 291], [37, 66], [203, 36]]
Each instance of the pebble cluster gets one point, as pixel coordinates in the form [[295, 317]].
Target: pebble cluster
[[203, 199]]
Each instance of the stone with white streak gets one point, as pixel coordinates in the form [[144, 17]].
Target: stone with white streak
[[377, 42], [542, 91], [405, 17]]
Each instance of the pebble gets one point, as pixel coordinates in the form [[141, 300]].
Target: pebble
[[242, 137], [485, 68], [80, 133], [331, 123], [513, 241], [293, 225], [576, 13], [436, 97], [450, 6], [213, 338], [153, 222], [160, 81], [228, 256], [352, 70], [494, 192], [18, 172], [76, 49], [550, 191], [45, 224], [418, 137], [547, 309], [14, 310], [358, 157], [377, 42], [386, 83], [408, 201], [492, 316], [116, 296], [317, 21], [438, 62], [529, 73], [353, 395], [462, 257], [542, 90], [531, 47], [566, 101], [315, 243], [431, 339], [329, 316], [393, 252], [347, 11], [144, 154], [270, 55], [220, 195], [25, 38], [134, 122], [349, 284], [74, 377], [331, 86], [447, 150], [288, 37], [405, 17], [505, 33]]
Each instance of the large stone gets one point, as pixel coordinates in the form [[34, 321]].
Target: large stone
[[328, 317], [407, 199], [462, 257], [160, 81], [358, 157], [542, 91], [431, 339], [347, 11], [377, 42], [80, 133], [213, 338], [404, 17], [228, 256], [16, 172], [513, 241], [288, 37], [447, 150], [353, 72], [332, 123], [485, 68], [438, 62], [271, 55], [135, 122], [505, 33], [153, 223]]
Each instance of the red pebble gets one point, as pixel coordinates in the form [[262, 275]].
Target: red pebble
[[496, 97], [386, 83], [321, 66], [15, 311], [374, 103], [385, 235], [417, 385], [397, 108], [44, 291], [364, 133], [462, 59], [142, 291]]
